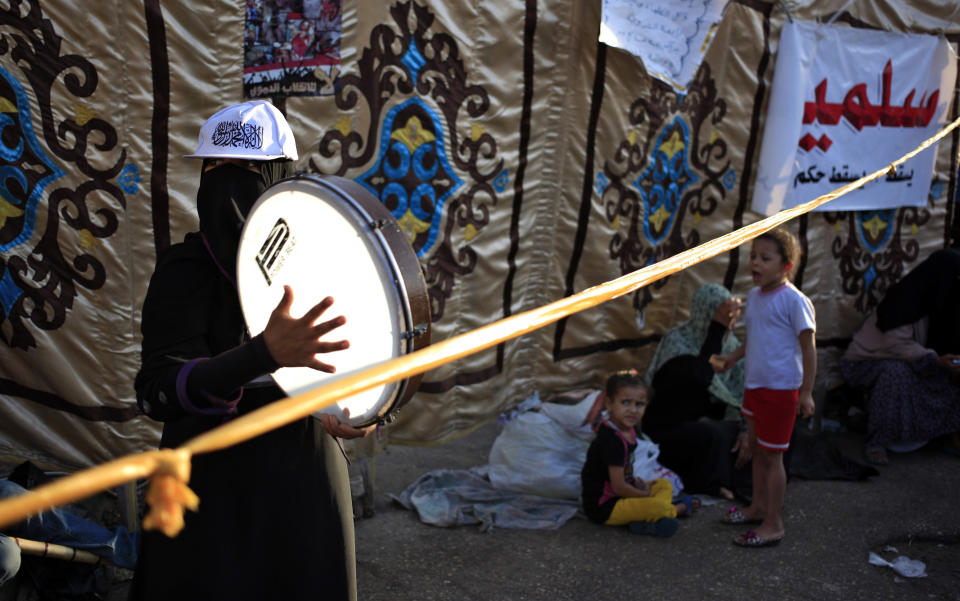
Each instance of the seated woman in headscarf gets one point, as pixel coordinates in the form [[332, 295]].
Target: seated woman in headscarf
[[695, 413], [904, 359]]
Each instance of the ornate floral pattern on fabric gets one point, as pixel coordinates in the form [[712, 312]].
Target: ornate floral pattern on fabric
[[874, 250], [670, 172], [412, 175], [432, 177], [44, 259]]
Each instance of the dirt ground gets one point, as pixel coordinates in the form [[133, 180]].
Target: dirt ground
[[832, 526]]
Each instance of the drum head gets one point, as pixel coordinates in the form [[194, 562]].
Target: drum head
[[318, 236]]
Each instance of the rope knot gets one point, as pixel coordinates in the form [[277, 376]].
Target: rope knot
[[169, 494]]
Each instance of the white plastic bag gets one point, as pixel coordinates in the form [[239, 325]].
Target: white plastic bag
[[903, 565], [646, 466], [541, 450]]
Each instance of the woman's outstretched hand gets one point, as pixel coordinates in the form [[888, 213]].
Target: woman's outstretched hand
[[295, 342]]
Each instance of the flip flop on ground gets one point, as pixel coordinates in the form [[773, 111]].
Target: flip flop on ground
[[752, 539], [736, 517]]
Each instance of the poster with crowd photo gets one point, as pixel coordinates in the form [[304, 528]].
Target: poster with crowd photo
[[291, 48]]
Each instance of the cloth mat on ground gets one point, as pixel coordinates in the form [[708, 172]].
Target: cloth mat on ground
[[532, 480], [464, 497]]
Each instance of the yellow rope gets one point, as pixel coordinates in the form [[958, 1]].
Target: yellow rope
[[174, 464]]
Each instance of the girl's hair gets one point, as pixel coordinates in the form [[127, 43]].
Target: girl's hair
[[787, 246], [622, 379]]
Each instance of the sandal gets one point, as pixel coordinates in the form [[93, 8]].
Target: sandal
[[736, 517], [691, 503], [876, 455], [752, 539]]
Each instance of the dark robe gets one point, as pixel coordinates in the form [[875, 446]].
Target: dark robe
[[275, 516], [688, 425], [930, 290]]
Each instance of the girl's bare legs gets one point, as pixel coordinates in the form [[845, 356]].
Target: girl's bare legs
[[758, 504], [775, 483]]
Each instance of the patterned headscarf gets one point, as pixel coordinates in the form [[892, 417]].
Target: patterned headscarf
[[687, 338]]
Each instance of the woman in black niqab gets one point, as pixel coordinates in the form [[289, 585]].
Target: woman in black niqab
[[275, 518], [225, 197]]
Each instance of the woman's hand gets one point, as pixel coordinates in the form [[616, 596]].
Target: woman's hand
[[335, 427], [721, 363], [296, 342], [642, 487]]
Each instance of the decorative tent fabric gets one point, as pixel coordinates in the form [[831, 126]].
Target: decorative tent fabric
[[549, 158]]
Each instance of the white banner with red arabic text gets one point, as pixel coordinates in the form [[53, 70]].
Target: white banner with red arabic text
[[844, 102]]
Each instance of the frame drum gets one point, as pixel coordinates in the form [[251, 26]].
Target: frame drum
[[329, 236]]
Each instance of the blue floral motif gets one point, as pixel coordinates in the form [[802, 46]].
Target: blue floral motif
[[412, 176], [600, 184], [129, 178], [730, 179], [414, 61], [9, 292], [875, 228], [501, 181], [11, 167], [937, 190], [662, 184], [869, 276]]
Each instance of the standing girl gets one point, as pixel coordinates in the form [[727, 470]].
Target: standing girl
[[610, 493], [781, 365]]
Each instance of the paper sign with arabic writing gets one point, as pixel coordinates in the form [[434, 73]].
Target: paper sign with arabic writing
[[671, 36], [844, 102]]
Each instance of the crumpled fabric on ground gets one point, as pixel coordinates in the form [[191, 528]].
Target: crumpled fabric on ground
[[463, 497]]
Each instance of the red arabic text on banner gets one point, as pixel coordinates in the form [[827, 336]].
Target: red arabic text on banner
[[843, 101]]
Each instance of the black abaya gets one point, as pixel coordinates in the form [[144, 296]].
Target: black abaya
[[275, 518]]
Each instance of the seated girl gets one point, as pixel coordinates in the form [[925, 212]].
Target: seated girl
[[610, 493]]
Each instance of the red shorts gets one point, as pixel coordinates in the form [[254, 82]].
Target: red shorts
[[773, 413]]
